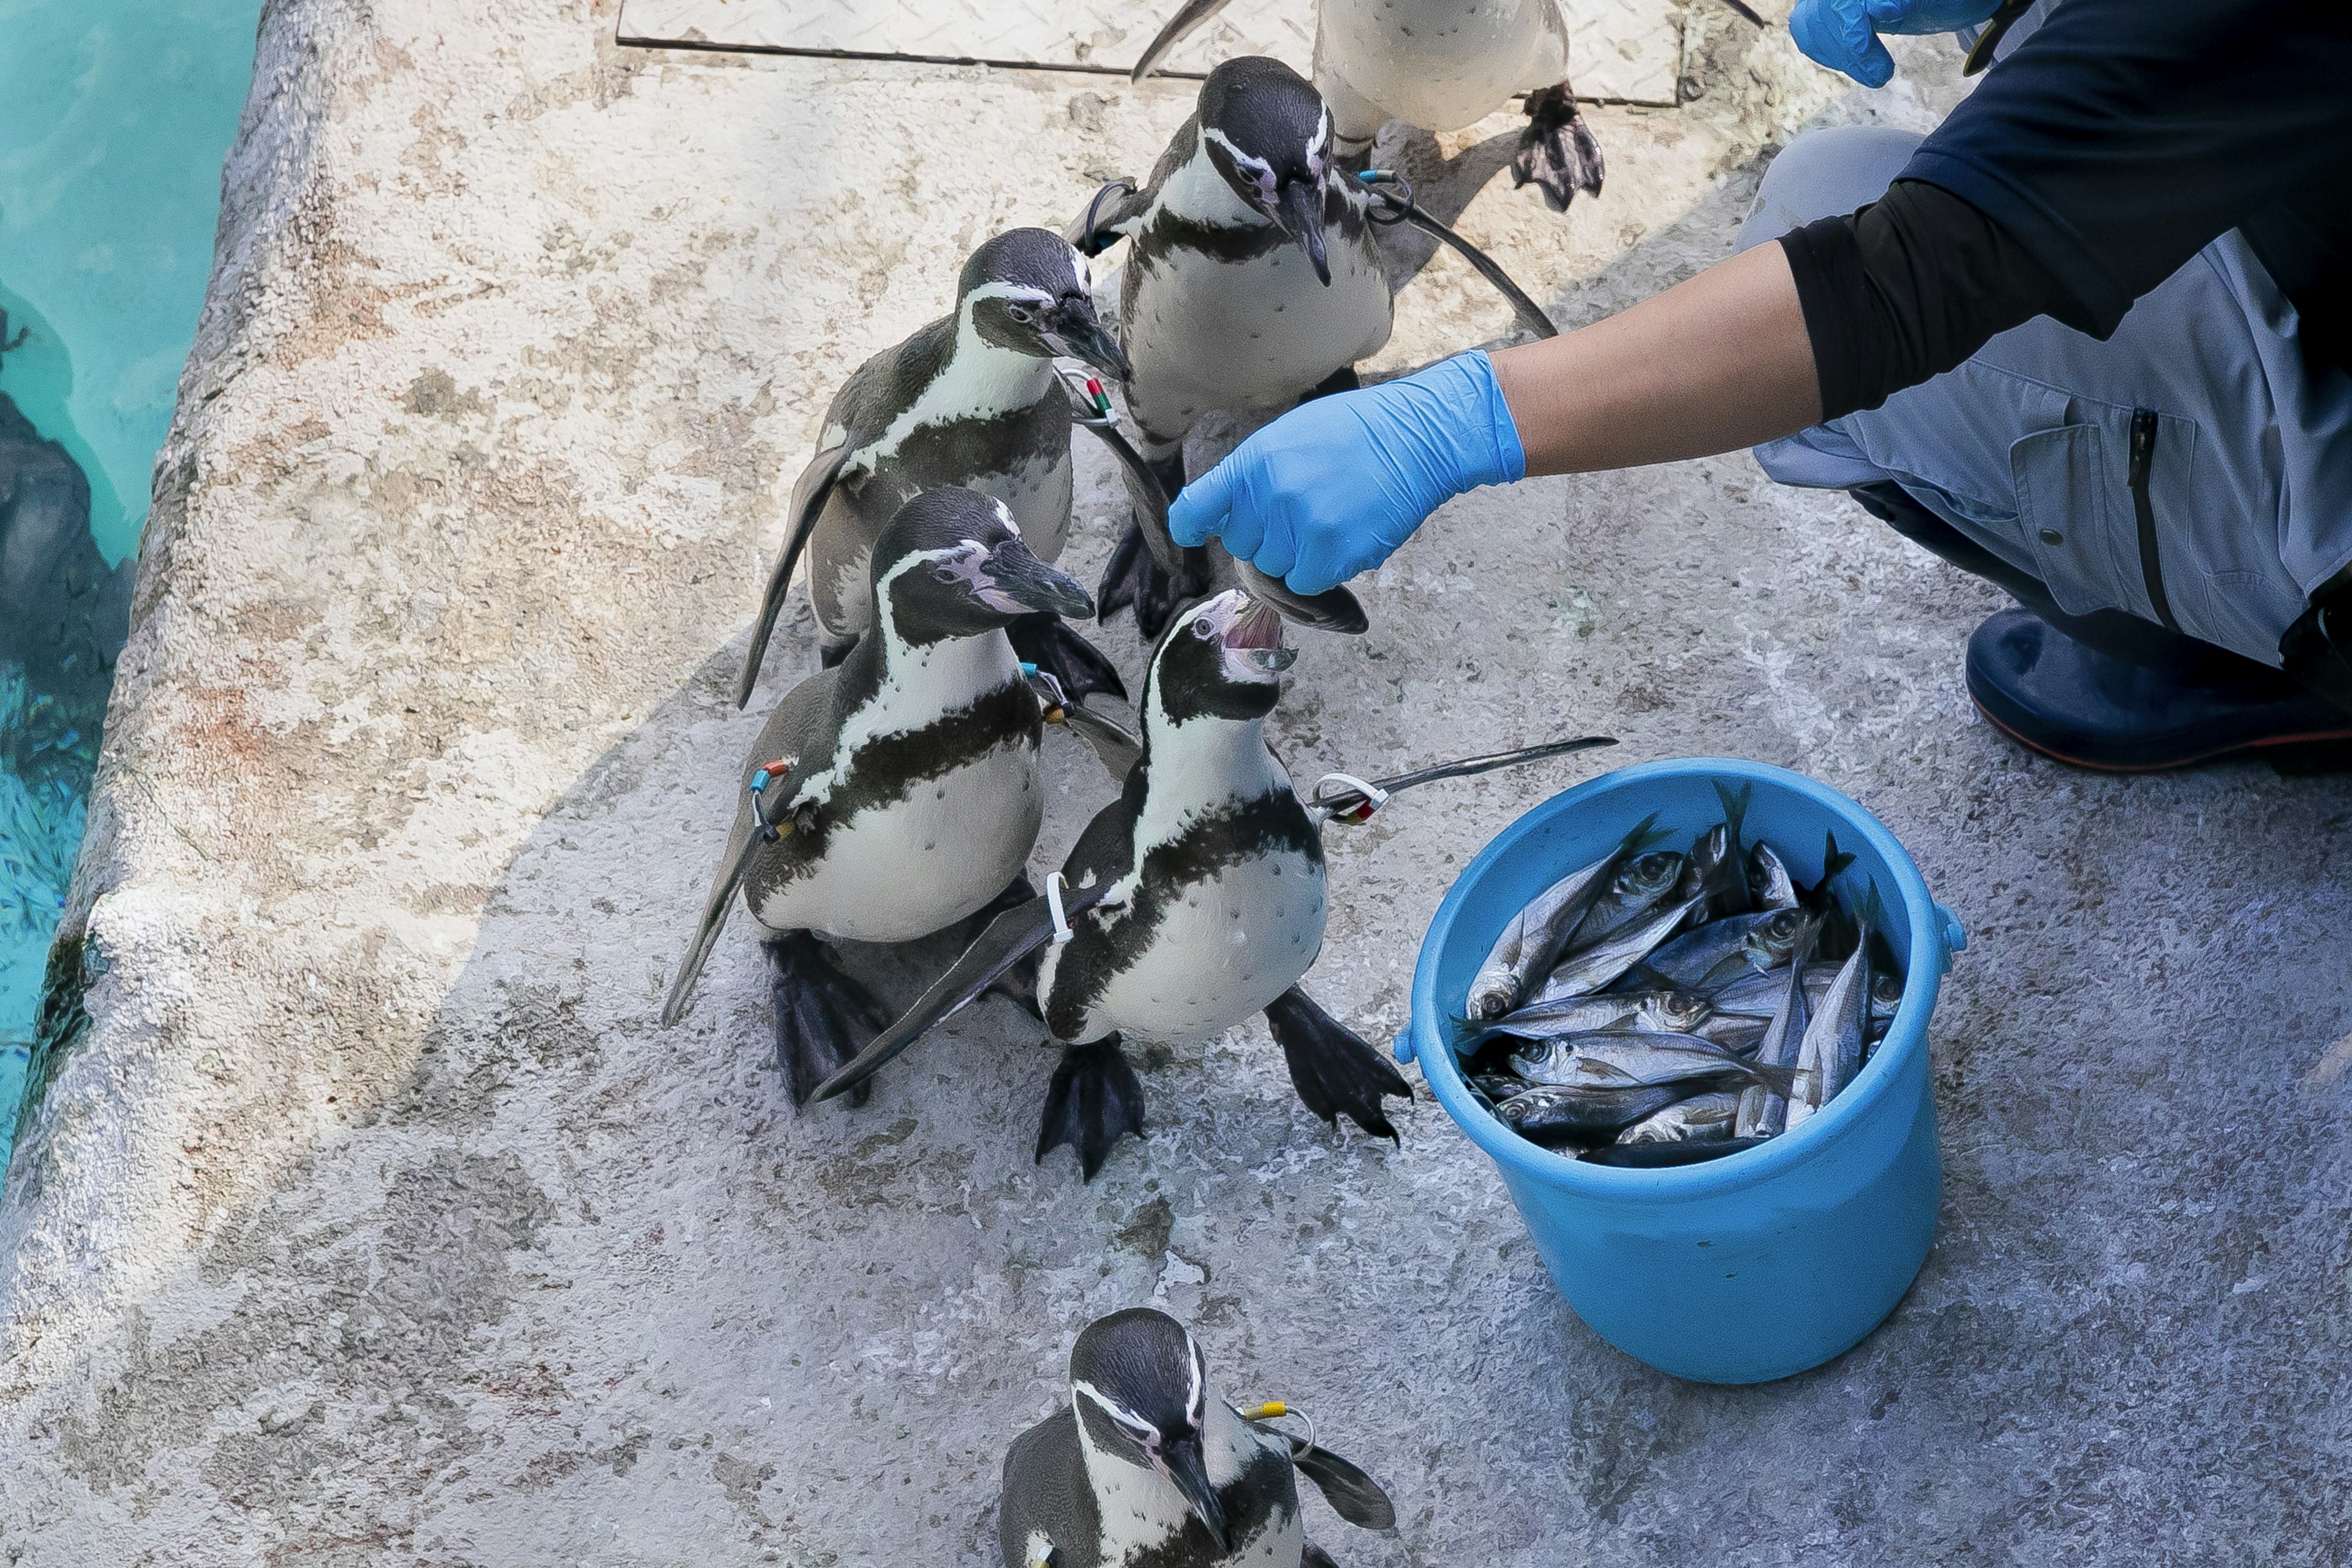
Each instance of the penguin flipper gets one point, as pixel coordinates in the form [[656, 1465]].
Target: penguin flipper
[[809, 493], [1095, 1098], [706, 930], [1047, 641], [1352, 1494], [1331, 1066], [1194, 12], [1118, 750], [1010, 938], [1557, 152]]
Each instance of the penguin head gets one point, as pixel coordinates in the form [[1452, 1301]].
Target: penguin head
[[1223, 657], [1267, 132], [951, 564], [1028, 289], [1139, 1386]]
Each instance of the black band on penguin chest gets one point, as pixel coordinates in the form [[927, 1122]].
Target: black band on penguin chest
[[978, 446], [1273, 824], [886, 768]]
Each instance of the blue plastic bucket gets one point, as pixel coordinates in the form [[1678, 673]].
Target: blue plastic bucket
[[1759, 1264]]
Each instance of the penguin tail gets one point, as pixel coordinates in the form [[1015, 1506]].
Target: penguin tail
[[1332, 1068], [1095, 1098], [823, 1018]]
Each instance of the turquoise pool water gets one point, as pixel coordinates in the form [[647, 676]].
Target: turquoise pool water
[[114, 117]]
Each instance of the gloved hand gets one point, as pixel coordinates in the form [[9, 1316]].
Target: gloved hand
[[1334, 486], [1843, 33]]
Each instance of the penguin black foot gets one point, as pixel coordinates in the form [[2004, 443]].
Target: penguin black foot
[[1095, 1098], [1557, 152], [823, 1018], [1343, 379], [1045, 640], [1135, 581], [1331, 1068]]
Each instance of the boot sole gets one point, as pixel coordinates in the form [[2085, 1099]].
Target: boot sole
[[2267, 742]]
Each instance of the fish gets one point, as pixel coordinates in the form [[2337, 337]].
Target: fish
[[1672, 1010], [1762, 1113], [1645, 883], [1568, 1113], [1703, 871], [1727, 880], [1589, 969], [1498, 1088], [1769, 882], [1721, 951], [1650, 1156], [1613, 1057], [1533, 940], [1831, 1052], [1696, 1119]]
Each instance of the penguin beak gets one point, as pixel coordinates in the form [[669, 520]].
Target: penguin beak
[[1299, 210], [1016, 577], [1077, 332], [1185, 1465]]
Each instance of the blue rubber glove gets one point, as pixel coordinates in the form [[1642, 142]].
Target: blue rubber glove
[[1843, 33], [1334, 486]]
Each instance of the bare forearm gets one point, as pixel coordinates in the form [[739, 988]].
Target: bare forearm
[[1717, 363]]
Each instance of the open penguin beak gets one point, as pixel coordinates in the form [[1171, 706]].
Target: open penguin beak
[[1189, 1469], [1024, 582], [1256, 635], [1075, 329], [1299, 210]]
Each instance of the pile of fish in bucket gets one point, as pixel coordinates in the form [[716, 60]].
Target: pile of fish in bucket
[[1662, 1007]]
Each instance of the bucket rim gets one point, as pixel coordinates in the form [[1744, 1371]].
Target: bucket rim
[[1906, 1038]]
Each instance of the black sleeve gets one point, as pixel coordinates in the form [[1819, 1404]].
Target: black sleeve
[[1909, 286]]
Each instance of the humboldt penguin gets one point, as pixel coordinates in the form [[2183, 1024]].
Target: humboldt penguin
[[896, 792], [1253, 280], [1148, 1465], [1194, 901], [972, 400], [1440, 65]]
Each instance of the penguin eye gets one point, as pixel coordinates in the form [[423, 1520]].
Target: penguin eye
[[943, 575], [1202, 629], [1019, 313]]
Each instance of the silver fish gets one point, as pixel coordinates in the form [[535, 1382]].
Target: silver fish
[[1762, 1113], [1613, 1058], [1673, 1012], [1721, 951], [1558, 1115], [1653, 1156], [1833, 1048], [1534, 936], [1645, 883], [1769, 882], [1701, 1117], [1587, 970], [1703, 872], [1726, 881]]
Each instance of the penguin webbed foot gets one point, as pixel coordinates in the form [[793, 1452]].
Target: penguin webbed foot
[[1332, 1068], [1047, 641], [1136, 582], [1556, 154], [823, 1018], [1095, 1099]]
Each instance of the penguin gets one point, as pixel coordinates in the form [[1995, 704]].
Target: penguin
[[1195, 899], [1148, 1466], [1440, 65], [1254, 279], [971, 400], [896, 792]]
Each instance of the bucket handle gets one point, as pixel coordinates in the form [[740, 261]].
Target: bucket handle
[[1954, 935], [1401, 1048]]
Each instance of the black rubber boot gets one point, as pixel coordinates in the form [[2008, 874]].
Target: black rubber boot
[[2063, 698]]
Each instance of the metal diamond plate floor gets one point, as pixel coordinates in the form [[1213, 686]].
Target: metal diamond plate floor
[[1621, 49]]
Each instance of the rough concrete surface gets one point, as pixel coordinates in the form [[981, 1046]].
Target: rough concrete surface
[[375, 1222]]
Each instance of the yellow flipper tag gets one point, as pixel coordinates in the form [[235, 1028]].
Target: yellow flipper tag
[[1273, 1409]]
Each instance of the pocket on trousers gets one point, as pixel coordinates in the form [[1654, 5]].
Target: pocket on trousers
[[2067, 504]]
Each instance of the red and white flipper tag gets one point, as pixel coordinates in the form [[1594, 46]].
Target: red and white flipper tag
[[1370, 797]]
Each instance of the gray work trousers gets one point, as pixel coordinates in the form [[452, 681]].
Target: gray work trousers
[[2194, 428]]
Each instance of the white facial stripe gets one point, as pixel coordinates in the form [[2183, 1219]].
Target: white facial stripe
[[1257, 169], [1196, 1401], [1129, 1421]]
